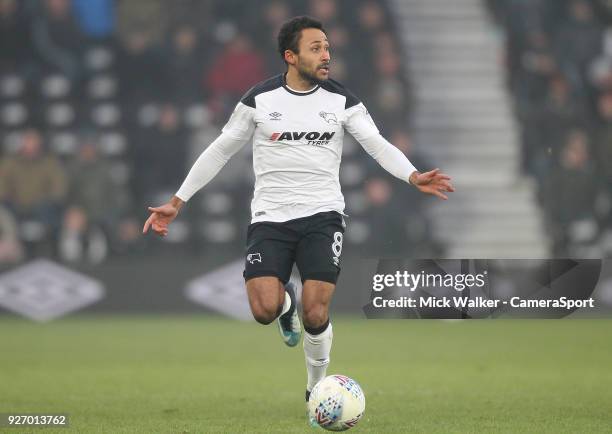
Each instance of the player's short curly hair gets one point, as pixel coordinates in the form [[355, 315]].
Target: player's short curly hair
[[290, 33]]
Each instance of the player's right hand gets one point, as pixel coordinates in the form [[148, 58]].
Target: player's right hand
[[160, 218]]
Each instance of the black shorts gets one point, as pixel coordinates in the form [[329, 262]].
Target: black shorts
[[314, 243]]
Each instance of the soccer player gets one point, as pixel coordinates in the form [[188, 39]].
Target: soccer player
[[297, 121]]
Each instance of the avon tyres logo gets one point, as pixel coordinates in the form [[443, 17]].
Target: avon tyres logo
[[314, 138]]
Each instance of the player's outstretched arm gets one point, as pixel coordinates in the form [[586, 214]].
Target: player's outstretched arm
[[432, 182], [162, 216]]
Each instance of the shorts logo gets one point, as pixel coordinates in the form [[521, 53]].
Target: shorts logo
[[254, 257], [330, 118]]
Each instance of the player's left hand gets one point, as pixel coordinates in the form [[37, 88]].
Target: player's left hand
[[432, 182]]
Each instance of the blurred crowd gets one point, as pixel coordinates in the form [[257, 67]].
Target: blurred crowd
[[559, 58], [104, 105]]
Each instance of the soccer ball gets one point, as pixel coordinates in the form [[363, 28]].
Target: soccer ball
[[336, 403]]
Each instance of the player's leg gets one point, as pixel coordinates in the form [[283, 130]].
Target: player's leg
[[318, 333], [269, 259], [266, 298], [318, 259]]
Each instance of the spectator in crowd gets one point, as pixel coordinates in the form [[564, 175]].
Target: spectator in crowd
[[387, 235], [33, 186], [185, 65], [237, 68], [402, 140], [96, 18], [371, 21], [371, 17], [57, 37], [394, 232], [394, 214], [603, 8], [92, 190], [346, 59], [546, 129], [149, 17], [389, 98], [33, 183], [161, 155], [97, 208], [578, 40], [570, 190], [600, 70], [140, 68], [561, 109], [275, 13], [537, 66], [324, 10], [198, 13], [603, 149], [15, 42], [79, 240], [418, 224]]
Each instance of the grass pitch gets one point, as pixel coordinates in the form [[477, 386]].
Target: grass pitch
[[203, 375]]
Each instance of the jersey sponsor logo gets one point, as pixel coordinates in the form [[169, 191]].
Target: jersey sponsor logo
[[254, 257], [330, 118], [314, 138]]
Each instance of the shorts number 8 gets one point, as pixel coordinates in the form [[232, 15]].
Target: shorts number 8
[[337, 245]]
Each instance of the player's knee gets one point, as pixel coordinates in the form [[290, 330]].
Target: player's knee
[[264, 314], [315, 316], [263, 319]]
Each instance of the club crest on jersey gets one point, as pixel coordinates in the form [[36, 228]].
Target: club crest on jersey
[[314, 138], [330, 118]]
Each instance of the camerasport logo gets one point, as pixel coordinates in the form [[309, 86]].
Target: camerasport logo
[[315, 138], [43, 290]]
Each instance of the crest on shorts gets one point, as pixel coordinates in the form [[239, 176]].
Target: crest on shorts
[[254, 257]]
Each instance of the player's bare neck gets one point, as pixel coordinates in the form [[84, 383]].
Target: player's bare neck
[[298, 83]]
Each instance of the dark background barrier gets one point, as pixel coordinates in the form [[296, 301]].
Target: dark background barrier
[[213, 284]]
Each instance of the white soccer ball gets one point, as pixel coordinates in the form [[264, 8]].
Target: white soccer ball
[[336, 403]]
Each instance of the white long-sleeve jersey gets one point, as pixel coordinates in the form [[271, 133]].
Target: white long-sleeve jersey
[[297, 148]]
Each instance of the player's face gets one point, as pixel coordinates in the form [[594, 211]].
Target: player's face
[[313, 60]]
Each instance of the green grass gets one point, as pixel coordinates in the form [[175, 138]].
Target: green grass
[[202, 375]]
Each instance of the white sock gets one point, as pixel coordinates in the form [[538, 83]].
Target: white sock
[[316, 350], [286, 304]]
